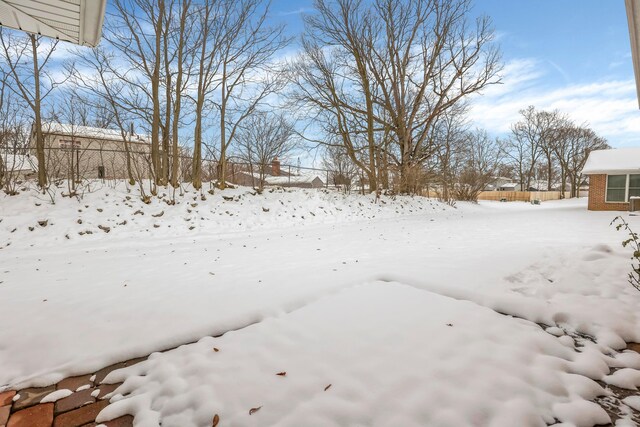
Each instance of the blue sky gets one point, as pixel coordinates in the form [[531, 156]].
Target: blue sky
[[572, 55]]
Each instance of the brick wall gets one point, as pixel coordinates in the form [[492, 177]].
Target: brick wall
[[597, 194]]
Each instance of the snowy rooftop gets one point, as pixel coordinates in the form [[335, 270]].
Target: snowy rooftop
[[293, 179], [78, 21], [18, 162], [287, 179], [91, 132], [619, 160]]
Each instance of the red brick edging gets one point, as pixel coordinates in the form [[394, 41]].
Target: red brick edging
[[89, 395]]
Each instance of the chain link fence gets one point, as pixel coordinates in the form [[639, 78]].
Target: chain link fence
[[75, 162]]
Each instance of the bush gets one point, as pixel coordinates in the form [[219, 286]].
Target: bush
[[634, 275]]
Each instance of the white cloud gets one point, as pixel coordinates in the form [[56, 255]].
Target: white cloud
[[609, 106], [295, 12]]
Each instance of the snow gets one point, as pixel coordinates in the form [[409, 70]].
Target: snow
[[91, 132], [625, 378], [17, 162], [581, 413], [416, 372], [330, 289], [293, 179], [618, 160], [56, 395], [633, 402]]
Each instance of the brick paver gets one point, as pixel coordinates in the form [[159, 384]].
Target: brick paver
[[75, 401], [4, 415], [102, 373], [125, 421], [79, 417], [106, 389], [34, 416], [31, 396], [6, 397], [79, 409], [74, 383]]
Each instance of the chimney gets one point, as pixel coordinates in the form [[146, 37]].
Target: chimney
[[275, 167]]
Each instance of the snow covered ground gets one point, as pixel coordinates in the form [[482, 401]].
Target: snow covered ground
[[396, 305]]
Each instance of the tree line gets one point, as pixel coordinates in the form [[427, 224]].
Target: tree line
[[381, 87]]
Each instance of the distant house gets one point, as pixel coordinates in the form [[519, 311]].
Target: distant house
[[614, 178], [274, 176], [19, 166], [502, 183], [88, 152], [509, 186], [302, 181]]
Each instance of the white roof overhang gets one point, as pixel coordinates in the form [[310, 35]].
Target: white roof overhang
[[75, 21], [613, 161], [633, 18]]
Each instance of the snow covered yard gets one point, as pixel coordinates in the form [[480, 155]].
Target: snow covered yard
[[396, 305]]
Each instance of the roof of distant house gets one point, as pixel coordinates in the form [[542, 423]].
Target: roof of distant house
[[91, 132], [618, 160], [18, 162], [285, 179], [293, 179]]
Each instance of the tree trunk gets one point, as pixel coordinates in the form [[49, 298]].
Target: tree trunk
[[196, 172], [155, 95], [549, 172], [177, 102], [166, 131], [42, 173], [222, 164]]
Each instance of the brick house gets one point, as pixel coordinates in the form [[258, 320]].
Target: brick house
[[614, 178], [274, 175]]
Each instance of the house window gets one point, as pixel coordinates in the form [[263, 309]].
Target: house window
[[616, 188], [621, 187], [634, 186], [101, 172]]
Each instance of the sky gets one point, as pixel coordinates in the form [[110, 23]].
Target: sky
[[570, 55]]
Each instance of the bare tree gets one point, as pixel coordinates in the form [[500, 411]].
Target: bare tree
[[403, 63], [26, 59], [185, 62], [450, 137], [429, 60], [262, 138], [14, 139], [211, 18], [481, 157], [525, 146], [136, 30], [333, 78], [572, 147], [343, 172], [247, 74]]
